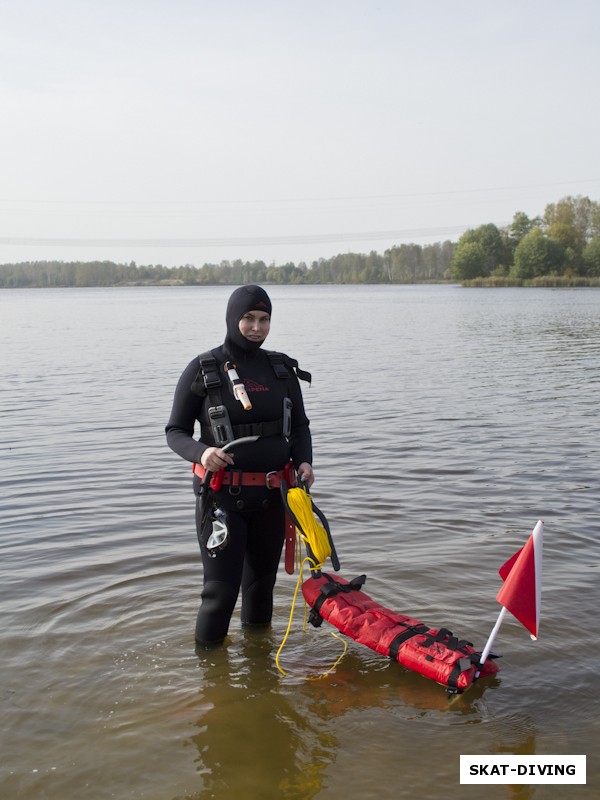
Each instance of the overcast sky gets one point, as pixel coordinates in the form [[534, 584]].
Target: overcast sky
[[190, 131]]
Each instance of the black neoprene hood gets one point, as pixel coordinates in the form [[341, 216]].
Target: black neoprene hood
[[244, 299]]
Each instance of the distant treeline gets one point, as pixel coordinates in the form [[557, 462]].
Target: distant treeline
[[407, 263], [562, 247]]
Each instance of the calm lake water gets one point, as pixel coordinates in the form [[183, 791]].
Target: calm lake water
[[446, 422]]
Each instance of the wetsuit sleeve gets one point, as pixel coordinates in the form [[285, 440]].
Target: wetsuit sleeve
[[187, 407], [300, 438]]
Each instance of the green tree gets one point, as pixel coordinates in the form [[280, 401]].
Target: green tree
[[480, 252], [436, 260], [595, 221], [591, 257], [536, 255], [521, 225], [372, 268], [573, 221], [468, 261], [571, 242], [405, 262], [566, 235]]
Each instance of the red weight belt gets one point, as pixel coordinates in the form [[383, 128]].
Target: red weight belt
[[272, 480]]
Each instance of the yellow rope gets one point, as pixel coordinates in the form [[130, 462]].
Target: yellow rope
[[289, 627], [311, 531], [314, 536]]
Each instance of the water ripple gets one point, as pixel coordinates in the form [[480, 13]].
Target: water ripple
[[443, 430]]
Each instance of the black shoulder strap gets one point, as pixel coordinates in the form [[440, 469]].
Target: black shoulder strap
[[282, 363], [207, 380]]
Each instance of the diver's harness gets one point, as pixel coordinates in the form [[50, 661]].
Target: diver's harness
[[208, 384]]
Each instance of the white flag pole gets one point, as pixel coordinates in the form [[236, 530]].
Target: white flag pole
[[488, 646]]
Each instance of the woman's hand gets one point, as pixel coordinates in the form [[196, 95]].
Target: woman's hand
[[213, 459], [306, 474]]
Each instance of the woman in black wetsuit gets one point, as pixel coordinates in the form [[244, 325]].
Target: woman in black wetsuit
[[252, 504]]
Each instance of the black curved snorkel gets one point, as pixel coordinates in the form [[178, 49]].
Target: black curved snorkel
[[206, 491]]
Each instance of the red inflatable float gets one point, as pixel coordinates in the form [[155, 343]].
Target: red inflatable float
[[435, 653]]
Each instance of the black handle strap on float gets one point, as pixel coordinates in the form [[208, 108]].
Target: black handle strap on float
[[331, 589], [446, 637], [334, 587]]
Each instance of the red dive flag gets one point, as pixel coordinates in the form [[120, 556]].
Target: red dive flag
[[522, 588]]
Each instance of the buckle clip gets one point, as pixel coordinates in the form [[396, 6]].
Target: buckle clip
[[235, 481], [268, 477]]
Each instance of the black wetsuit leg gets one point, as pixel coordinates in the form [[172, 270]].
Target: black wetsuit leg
[[251, 560], [266, 533], [222, 578]]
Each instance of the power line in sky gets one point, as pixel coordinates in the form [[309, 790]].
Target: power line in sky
[[232, 241], [286, 200]]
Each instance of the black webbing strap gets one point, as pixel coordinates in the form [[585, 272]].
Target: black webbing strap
[[334, 587], [408, 632], [459, 667], [280, 363], [445, 637], [207, 380], [272, 428]]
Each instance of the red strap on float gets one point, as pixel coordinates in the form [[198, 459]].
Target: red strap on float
[[289, 474]]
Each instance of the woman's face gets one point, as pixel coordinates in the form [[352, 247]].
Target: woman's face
[[255, 325]]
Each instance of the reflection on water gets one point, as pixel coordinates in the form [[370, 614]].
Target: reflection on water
[[445, 425], [247, 722], [293, 727]]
